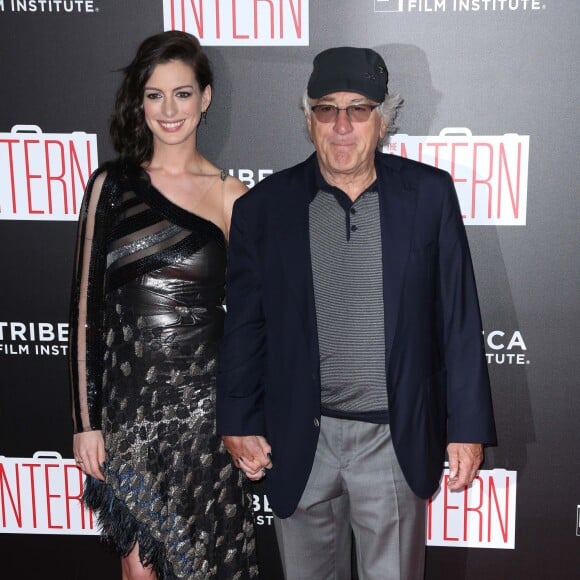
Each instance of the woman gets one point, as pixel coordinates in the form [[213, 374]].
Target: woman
[[146, 319]]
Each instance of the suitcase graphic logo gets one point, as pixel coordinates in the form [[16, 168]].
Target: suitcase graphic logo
[[43, 175], [42, 495], [490, 172], [481, 516]]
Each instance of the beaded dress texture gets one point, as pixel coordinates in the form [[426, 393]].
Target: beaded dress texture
[[147, 315]]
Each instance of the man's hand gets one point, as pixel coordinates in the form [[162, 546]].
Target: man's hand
[[250, 453], [89, 452], [464, 461]]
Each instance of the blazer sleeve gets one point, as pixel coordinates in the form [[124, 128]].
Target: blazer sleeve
[[240, 384], [469, 406]]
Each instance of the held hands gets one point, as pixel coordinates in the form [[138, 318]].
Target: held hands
[[250, 453], [89, 452], [464, 460]]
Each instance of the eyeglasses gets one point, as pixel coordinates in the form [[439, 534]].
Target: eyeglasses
[[356, 113]]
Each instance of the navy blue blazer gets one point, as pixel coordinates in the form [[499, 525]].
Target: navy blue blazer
[[269, 381]]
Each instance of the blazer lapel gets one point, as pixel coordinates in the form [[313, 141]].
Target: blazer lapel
[[398, 205], [294, 250]]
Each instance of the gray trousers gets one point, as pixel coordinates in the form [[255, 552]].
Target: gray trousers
[[355, 483]]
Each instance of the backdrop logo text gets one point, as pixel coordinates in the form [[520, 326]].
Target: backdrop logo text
[[250, 176], [240, 22], [263, 514], [33, 338], [42, 175], [490, 172], [483, 515], [49, 6], [475, 6], [505, 348]]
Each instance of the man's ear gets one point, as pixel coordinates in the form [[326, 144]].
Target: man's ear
[[308, 124], [383, 129]]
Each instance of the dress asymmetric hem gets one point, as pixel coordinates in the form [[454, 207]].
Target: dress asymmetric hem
[[120, 528], [151, 313]]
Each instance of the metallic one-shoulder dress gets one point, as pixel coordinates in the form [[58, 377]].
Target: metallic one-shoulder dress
[[151, 313]]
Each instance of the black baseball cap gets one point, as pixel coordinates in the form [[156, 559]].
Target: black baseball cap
[[346, 68]]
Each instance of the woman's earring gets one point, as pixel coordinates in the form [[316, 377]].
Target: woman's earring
[[204, 116]]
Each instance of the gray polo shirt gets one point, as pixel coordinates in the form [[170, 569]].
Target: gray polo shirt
[[345, 244]]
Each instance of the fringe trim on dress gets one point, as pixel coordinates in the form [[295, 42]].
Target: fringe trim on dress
[[120, 527]]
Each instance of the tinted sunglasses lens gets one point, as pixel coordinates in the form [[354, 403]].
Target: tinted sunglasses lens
[[355, 113], [359, 113], [325, 113]]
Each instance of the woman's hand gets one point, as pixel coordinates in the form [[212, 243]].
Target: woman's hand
[[89, 452]]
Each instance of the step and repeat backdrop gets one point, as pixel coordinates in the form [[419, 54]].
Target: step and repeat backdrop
[[491, 91]]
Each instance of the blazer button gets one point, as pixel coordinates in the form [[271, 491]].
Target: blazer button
[[316, 422]]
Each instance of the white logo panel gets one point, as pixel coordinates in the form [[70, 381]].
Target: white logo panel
[[490, 172], [481, 516], [240, 22], [42, 495], [43, 175]]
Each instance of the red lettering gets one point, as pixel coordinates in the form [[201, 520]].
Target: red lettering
[[172, 17], [469, 492], [72, 471], [492, 492], [50, 178], [198, 17], [218, 29], [49, 495], [31, 467], [504, 166], [271, 5], [10, 142], [74, 162], [454, 176], [234, 22], [30, 176], [297, 19], [483, 181], [281, 2], [17, 510], [289, 10], [446, 508]]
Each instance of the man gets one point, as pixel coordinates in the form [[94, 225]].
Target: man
[[353, 349]]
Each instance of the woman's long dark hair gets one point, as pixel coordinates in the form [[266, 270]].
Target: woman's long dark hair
[[130, 135]]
